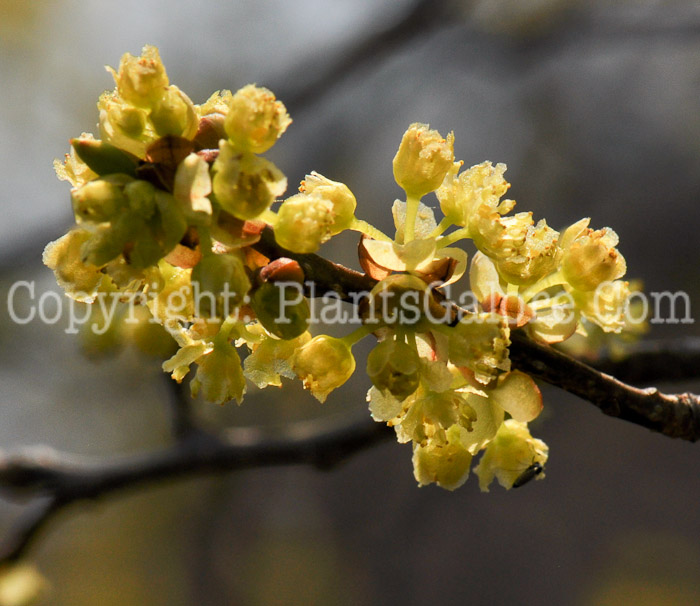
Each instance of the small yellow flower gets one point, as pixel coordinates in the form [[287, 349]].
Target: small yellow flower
[[219, 375], [255, 119], [244, 184], [80, 280], [324, 364], [141, 81], [443, 460], [338, 194], [461, 195], [394, 367], [511, 452], [590, 257], [423, 159], [304, 222]]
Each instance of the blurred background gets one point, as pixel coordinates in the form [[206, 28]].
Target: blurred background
[[594, 106]]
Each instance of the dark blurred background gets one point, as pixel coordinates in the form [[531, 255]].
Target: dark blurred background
[[594, 106]]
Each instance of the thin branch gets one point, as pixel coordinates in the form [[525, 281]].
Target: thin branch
[[62, 479], [674, 415]]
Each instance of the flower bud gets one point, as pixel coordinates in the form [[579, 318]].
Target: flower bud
[[592, 259], [99, 200], [255, 119], [174, 114], [245, 185], [142, 197], [223, 283], [394, 366], [401, 299], [304, 222], [324, 364], [141, 80], [104, 245], [282, 309], [343, 200], [147, 335], [423, 159]]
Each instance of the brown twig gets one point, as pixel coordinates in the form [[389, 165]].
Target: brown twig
[[674, 415]]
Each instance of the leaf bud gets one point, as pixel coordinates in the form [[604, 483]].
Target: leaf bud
[[210, 131], [99, 200], [282, 270]]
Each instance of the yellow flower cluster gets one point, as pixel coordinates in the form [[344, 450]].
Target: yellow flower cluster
[[172, 199]]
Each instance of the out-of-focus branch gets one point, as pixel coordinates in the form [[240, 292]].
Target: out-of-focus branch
[[182, 416], [55, 480], [421, 18], [654, 360]]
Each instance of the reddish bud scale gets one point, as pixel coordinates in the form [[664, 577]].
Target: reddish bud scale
[[514, 308], [282, 270]]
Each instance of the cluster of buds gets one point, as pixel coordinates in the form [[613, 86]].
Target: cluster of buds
[[171, 201]]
